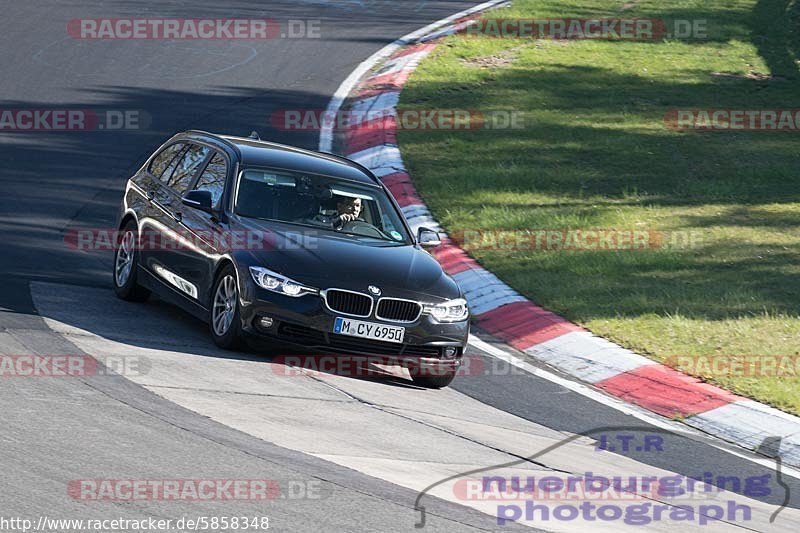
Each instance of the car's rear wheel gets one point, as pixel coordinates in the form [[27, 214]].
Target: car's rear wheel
[[226, 325], [431, 379], [126, 262]]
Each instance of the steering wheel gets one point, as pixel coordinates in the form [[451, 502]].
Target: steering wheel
[[359, 227]]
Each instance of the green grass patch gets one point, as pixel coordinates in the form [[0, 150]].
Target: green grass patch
[[594, 152]]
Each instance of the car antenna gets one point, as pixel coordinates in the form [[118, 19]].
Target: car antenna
[[254, 135]]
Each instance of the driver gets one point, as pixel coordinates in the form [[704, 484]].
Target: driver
[[348, 210]]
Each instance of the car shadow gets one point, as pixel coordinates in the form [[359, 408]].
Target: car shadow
[[159, 325]]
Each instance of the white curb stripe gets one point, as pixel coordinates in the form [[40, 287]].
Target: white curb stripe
[[747, 423], [475, 278], [484, 291], [587, 357], [444, 32], [383, 171], [415, 210], [383, 103], [418, 216], [379, 154], [438, 35], [379, 157], [479, 307], [406, 62], [424, 222]]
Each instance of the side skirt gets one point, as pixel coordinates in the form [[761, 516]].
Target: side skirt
[[171, 295]]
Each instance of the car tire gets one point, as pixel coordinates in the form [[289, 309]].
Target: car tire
[[126, 264], [431, 381], [226, 324]]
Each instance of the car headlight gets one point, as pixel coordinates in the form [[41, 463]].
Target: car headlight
[[272, 281], [450, 311]]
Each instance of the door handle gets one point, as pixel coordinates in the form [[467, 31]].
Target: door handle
[[150, 195], [177, 216]]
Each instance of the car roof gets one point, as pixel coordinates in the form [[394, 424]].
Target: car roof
[[258, 153]]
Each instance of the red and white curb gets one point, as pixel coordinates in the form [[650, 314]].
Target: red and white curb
[[501, 311]]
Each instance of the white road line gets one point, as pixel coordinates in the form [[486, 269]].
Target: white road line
[[344, 90], [623, 407]]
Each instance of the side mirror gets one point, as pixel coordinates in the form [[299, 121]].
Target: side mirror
[[199, 200], [428, 238]]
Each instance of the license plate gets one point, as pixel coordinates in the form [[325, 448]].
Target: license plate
[[368, 330]]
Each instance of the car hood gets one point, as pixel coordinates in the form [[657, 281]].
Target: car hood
[[323, 260]]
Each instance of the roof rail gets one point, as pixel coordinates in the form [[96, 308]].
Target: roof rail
[[337, 157], [217, 137]]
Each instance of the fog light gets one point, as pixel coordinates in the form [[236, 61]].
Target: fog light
[[449, 352], [265, 322]]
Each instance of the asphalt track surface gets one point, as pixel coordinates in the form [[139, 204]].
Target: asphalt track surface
[[367, 447]]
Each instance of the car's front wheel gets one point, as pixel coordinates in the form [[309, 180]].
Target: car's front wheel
[[226, 325], [126, 262]]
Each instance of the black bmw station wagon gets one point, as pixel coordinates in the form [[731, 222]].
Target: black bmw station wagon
[[290, 245]]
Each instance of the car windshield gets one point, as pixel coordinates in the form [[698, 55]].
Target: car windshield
[[330, 204]]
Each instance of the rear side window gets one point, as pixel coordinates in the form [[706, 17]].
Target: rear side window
[[187, 167], [213, 178], [164, 163]]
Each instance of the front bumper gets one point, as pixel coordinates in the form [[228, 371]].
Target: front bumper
[[305, 321]]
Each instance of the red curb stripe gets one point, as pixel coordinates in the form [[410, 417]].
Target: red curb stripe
[[375, 85], [393, 79], [413, 50], [371, 133], [406, 199], [369, 92], [666, 391], [391, 180], [405, 194], [382, 84], [453, 259], [524, 324]]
